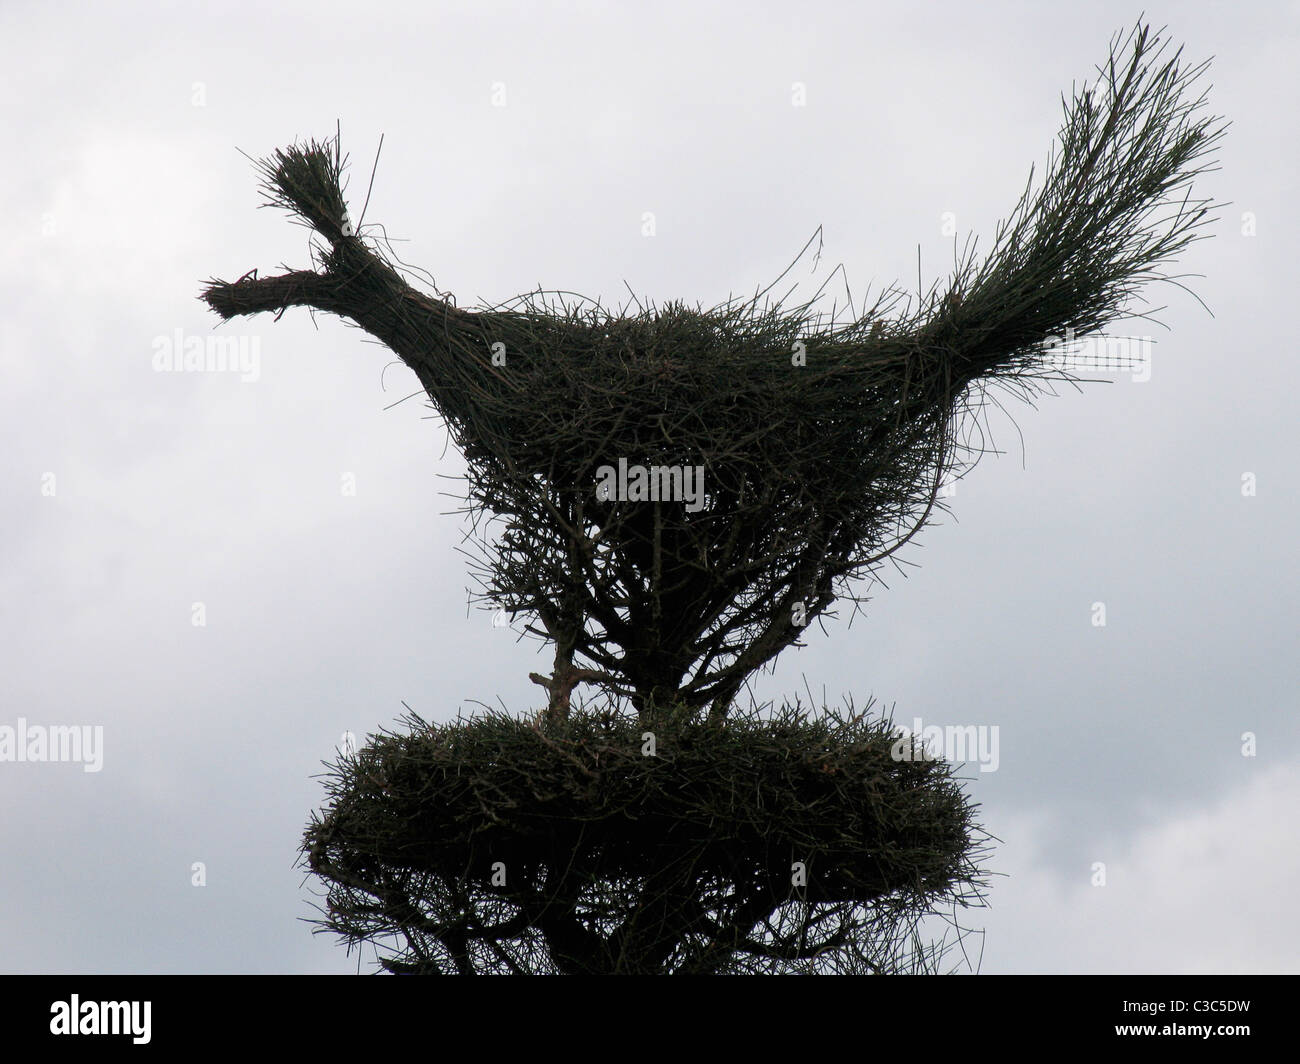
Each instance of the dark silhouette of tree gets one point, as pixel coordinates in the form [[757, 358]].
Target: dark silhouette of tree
[[670, 497]]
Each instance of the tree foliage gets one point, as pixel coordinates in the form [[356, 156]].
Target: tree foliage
[[821, 445]]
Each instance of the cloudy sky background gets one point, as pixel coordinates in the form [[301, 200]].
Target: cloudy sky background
[[124, 190]]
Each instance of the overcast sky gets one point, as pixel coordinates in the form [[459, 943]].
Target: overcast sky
[[128, 495]]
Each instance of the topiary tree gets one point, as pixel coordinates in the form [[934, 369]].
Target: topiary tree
[[673, 496]]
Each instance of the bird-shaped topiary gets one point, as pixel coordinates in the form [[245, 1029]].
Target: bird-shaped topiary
[[680, 492]]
